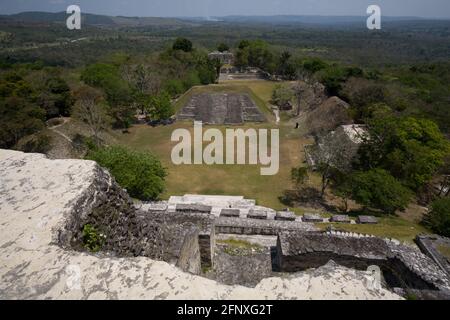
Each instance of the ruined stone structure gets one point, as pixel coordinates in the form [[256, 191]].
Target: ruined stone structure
[[430, 245], [402, 266], [345, 140], [221, 108], [224, 57], [43, 205], [152, 253]]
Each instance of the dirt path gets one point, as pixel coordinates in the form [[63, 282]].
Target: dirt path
[[55, 129]]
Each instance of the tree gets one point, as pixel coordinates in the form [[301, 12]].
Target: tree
[[243, 44], [411, 149], [364, 100], [144, 82], [55, 97], [282, 95], [182, 44], [378, 189], [160, 107], [90, 109], [332, 158], [242, 57], [299, 176], [299, 91], [285, 68], [140, 173], [343, 187], [438, 219], [18, 118], [118, 92], [222, 47]]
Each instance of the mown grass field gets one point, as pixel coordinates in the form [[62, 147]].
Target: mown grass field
[[388, 227], [243, 180]]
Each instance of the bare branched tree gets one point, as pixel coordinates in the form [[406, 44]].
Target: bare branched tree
[[90, 109], [144, 80]]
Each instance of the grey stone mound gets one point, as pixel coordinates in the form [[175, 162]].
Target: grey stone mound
[[340, 218], [285, 216], [366, 220], [230, 213]]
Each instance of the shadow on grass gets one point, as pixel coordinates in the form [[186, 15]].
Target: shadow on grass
[[307, 197]]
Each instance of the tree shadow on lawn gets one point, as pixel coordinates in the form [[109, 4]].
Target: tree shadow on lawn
[[307, 197]]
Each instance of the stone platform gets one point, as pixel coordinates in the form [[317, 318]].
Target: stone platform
[[221, 108]]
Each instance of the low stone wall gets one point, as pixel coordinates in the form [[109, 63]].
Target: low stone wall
[[428, 243], [402, 266], [189, 259], [259, 227]]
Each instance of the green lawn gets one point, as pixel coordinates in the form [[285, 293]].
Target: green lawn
[[243, 180], [388, 227]]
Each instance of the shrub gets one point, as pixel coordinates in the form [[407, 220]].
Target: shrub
[[92, 239], [139, 172], [282, 95], [438, 219]]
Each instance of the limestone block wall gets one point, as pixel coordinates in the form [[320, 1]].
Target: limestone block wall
[[259, 227], [402, 266], [189, 259]]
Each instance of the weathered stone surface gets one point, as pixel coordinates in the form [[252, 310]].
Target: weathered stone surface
[[312, 218], [259, 227], [221, 108], [39, 199], [430, 245], [366, 220], [285, 216], [402, 265], [193, 208], [340, 218], [230, 213], [257, 214]]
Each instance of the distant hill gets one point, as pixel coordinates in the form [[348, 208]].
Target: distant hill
[[93, 19], [293, 19]]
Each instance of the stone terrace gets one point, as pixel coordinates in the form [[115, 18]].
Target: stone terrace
[[221, 108]]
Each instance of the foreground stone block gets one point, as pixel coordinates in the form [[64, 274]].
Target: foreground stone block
[[366, 220]]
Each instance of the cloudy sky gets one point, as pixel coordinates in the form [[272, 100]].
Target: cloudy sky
[[205, 8]]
